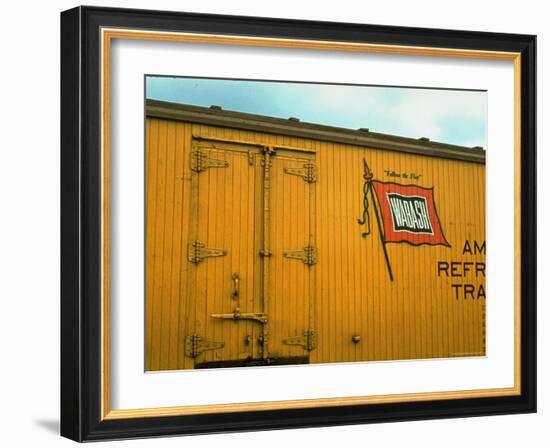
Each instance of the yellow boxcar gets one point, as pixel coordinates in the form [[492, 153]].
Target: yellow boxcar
[[263, 245]]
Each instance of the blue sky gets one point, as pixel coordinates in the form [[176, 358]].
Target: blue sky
[[450, 116]]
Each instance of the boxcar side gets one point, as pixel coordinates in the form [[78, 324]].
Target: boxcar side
[[255, 253]]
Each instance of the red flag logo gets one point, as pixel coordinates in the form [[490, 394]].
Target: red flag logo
[[408, 214]]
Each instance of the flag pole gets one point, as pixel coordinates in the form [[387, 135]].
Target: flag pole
[[368, 178], [380, 233]]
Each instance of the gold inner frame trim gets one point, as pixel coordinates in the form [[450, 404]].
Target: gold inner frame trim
[[107, 35]]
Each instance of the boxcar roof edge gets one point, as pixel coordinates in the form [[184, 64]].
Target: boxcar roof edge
[[216, 116]]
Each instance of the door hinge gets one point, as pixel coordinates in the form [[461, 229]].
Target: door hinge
[[308, 255], [308, 172], [195, 345], [308, 341], [200, 161], [198, 251]]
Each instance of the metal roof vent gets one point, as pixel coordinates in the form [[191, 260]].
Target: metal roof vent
[[215, 107]]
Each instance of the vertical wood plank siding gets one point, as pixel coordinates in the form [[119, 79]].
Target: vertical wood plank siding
[[347, 293]]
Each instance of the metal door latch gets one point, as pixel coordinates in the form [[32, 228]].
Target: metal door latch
[[236, 280], [237, 315]]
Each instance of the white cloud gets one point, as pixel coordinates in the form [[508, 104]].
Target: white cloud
[[408, 112]]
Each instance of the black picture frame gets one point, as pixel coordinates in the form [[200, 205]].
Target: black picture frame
[[81, 224]]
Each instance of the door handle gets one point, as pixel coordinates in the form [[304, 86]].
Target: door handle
[[236, 279]]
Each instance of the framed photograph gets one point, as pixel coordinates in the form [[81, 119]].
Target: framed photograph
[[273, 223]]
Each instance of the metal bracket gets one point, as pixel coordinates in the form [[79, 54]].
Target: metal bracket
[[251, 156], [195, 345], [308, 341], [308, 172], [237, 315], [200, 161], [198, 251], [308, 255]]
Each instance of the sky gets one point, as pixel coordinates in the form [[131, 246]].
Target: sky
[[450, 116]]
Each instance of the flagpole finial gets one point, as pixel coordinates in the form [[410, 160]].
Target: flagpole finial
[[367, 173]]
